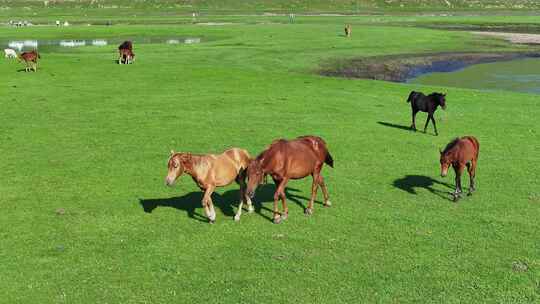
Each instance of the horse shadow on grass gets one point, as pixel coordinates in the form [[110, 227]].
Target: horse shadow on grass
[[410, 183], [227, 202], [391, 125]]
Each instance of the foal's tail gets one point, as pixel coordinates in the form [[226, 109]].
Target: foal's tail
[[329, 160]]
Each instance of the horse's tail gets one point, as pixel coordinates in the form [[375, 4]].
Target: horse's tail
[[476, 144], [329, 160]]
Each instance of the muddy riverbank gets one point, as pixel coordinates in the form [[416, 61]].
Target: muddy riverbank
[[399, 68]]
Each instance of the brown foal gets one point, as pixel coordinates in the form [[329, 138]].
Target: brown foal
[[291, 159], [210, 171], [460, 153], [30, 59]]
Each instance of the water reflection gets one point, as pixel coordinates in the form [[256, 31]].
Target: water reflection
[[21, 45], [516, 75], [72, 43], [192, 40], [99, 42]]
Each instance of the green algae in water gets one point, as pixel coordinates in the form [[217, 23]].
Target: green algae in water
[[522, 75]]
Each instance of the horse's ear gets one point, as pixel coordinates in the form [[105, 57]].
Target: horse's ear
[[172, 152], [440, 151]]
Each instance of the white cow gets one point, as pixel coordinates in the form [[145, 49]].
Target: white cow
[[10, 53]]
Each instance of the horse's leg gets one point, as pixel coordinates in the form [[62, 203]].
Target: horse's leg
[[314, 187], [414, 111], [427, 122], [207, 204], [241, 204], [327, 202], [434, 125], [457, 193], [280, 193], [240, 179], [471, 167], [285, 213]]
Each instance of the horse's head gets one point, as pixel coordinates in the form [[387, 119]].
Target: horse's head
[[445, 163], [441, 99], [175, 167], [255, 176]]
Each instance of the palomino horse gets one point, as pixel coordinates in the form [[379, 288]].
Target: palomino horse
[[125, 51], [421, 102], [460, 153], [348, 30], [30, 59], [294, 159], [210, 171]]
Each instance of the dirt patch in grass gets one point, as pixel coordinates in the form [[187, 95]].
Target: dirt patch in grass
[[399, 68], [519, 38]]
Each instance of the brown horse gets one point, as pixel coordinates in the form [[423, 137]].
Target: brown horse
[[125, 52], [460, 153], [210, 171], [126, 56], [30, 59], [291, 159], [348, 30]]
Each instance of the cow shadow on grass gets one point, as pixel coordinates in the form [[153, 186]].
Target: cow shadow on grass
[[227, 202], [410, 183]]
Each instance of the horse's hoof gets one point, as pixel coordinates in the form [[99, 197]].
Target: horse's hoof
[[328, 204], [277, 220], [469, 194], [284, 216], [237, 218], [251, 209], [211, 222], [308, 211], [456, 198]]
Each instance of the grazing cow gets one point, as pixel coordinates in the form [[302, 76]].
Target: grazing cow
[[348, 30], [30, 59], [10, 53]]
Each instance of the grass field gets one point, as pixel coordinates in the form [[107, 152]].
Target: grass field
[[84, 143]]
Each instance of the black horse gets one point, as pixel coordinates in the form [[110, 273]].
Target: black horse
[[421, 102]]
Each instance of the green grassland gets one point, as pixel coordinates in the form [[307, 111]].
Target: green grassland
[[86, 217], [280, 5]]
